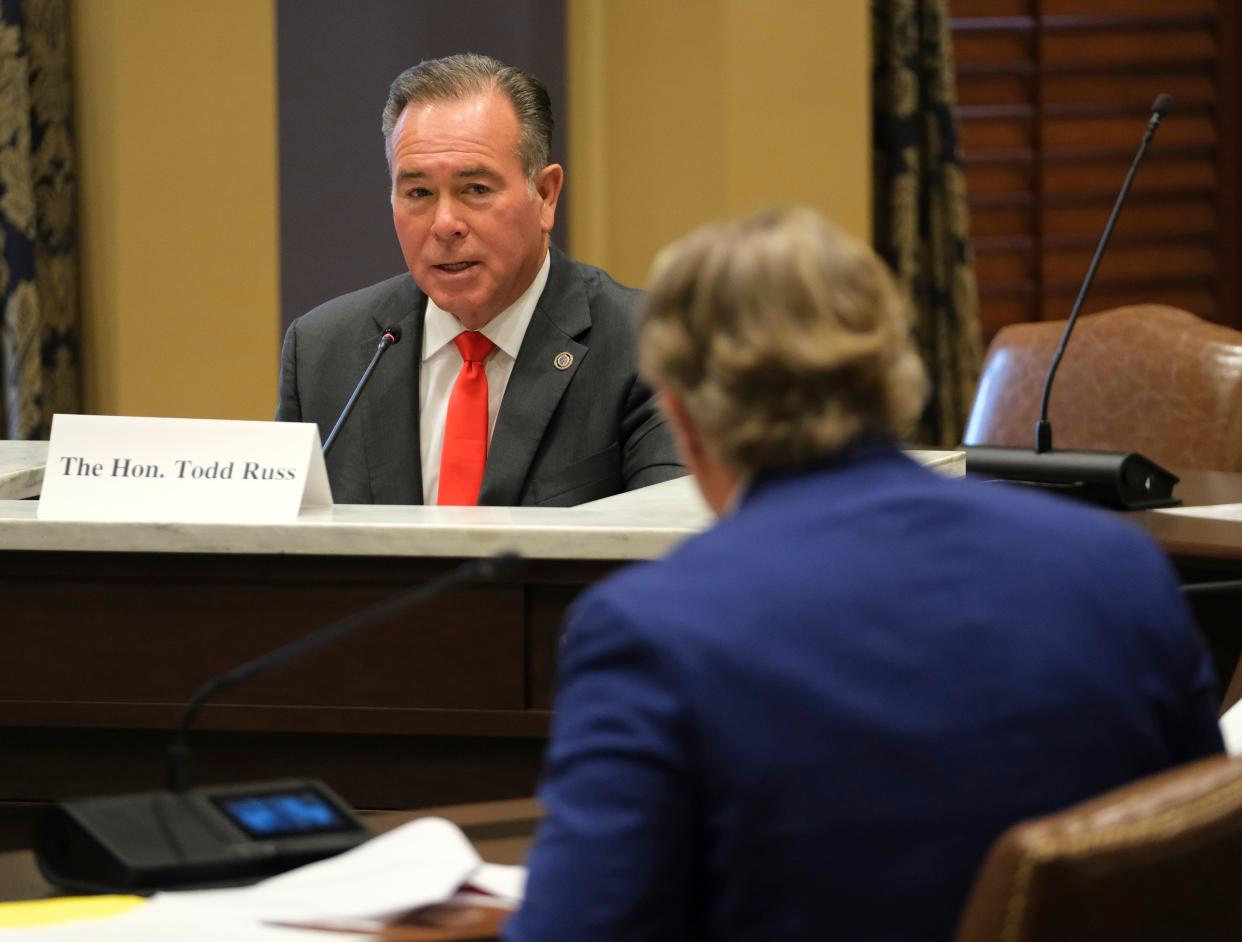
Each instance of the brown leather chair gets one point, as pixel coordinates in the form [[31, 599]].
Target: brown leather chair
[[1156, 861], [1149, 378]]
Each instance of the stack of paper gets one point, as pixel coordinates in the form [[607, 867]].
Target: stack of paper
[[424, 862]]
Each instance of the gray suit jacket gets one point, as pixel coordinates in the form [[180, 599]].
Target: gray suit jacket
[[562, 437]]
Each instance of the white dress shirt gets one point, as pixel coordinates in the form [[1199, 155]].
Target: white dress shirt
[[442, 362]]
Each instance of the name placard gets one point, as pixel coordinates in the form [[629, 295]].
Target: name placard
[[148, 470]]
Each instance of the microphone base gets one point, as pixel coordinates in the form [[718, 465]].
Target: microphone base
[[1120, 480], [213, 836]]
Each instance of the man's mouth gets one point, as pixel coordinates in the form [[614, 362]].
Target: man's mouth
[[453, 267]]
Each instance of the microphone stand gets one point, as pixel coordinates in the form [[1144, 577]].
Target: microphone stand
[[392, 336], [1043, 428], [1123, 480]]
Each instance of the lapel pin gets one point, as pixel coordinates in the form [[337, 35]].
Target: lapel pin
[[563, 361]]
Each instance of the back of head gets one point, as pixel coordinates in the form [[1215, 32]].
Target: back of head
[[785, 338], [466, 75]]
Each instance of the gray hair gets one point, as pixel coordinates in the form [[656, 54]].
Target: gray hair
[[464, 76], [786, 339]]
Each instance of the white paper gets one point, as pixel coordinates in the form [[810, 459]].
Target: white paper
[[506, 883], [149, 470], [423, 862], [1212, 511], [1231, 729], [419, 863]]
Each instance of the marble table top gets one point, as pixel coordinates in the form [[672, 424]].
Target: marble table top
[[374, 530], [21, 469], [640, 524]]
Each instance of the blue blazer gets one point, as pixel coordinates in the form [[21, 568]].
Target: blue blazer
[[811, 721]]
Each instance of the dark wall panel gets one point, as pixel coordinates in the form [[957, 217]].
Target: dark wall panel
[[335, 61]]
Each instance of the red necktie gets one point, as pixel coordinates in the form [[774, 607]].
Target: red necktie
[[465, 430]]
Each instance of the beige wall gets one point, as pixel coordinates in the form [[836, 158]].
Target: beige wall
[[176, 133], [680, 112], [684, 112]]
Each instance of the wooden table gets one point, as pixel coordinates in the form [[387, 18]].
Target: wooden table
[[1209, 551], [1196, 544], [448, 704], [105, 630]]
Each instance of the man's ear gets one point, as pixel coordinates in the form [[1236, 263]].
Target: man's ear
[[684, 432], [548, 183], [718, 483]]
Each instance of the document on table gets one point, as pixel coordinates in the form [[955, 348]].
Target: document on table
[[1211, 511], [1231, 729], [424, 862]]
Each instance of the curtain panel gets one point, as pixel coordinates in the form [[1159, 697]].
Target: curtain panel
[[38, 272], [920, 214]]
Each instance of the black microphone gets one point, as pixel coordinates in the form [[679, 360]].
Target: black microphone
[[391, 337], [1125, 480], [223, 834]]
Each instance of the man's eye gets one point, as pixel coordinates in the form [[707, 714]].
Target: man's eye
[[478, 189], [418, 192]]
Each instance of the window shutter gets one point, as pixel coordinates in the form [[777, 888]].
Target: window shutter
[[1053, 99]]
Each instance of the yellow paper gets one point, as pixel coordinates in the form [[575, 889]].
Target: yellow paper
[[42, 912]]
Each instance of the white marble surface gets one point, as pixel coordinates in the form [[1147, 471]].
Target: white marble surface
[[369, 530], [638, 525], [949, 463], [21, 469], [680, 498]]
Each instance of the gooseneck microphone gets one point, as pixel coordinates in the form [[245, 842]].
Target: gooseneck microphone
[[390, 338], [222, 834], [1043, 428], [1125, 480]]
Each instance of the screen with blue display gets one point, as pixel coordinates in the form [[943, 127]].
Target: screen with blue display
[[283, 814]]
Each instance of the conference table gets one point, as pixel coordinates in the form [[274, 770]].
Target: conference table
[[108, 627], [1201, 546]]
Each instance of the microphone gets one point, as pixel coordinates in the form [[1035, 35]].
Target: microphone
[[1125, 480], [223, 834], [390, 338]]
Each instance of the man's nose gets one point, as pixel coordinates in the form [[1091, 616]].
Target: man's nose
[[448, 223]]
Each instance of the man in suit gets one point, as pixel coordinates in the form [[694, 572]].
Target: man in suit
[[811, 721], [514, 381]]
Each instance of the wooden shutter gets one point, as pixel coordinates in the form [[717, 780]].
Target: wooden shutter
[[1053, 97]]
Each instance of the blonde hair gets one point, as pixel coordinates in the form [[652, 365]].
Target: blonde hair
[[785, 337]]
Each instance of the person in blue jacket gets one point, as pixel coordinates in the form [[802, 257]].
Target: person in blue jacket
[[812, 720]]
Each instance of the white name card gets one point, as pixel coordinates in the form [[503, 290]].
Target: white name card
[[145, 470]]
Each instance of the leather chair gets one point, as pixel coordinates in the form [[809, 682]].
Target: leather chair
[[1154, 861], [1149, 378]]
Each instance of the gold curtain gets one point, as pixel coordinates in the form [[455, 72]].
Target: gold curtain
[[921, 217], [38, 272]]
